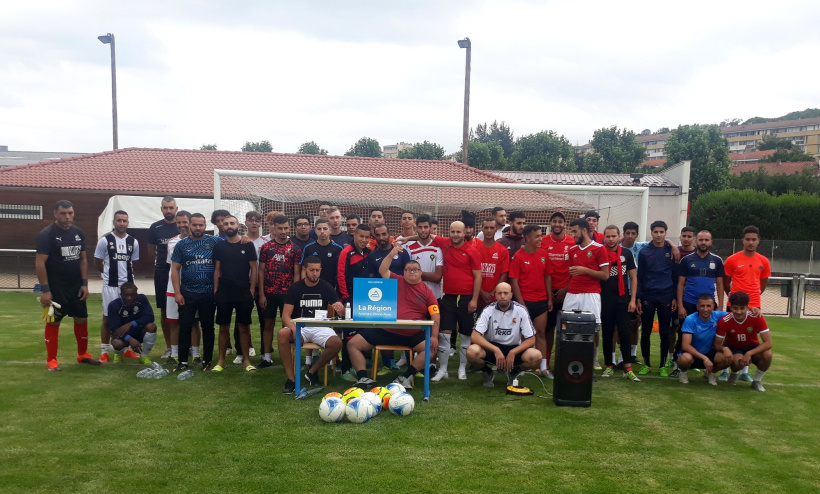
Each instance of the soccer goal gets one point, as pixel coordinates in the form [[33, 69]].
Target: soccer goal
[[294, 194]]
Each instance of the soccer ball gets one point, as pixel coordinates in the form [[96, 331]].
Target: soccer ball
[[359, 410], [333, 394], [395, 388], [402, 404], [374, 400], [332, 409], [384, 394], [351, 393]]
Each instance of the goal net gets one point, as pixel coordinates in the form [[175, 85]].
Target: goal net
[[295, 194]]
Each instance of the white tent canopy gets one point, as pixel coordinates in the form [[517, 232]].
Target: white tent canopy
[[142, 210]]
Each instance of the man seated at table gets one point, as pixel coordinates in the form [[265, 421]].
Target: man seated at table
[[415, 301], [503, 336], [302, 300]]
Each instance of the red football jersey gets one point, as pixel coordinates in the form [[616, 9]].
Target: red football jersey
[[459, 264], [558, 258], [594, 257], [495, 261], [530, 269], [741, 334]]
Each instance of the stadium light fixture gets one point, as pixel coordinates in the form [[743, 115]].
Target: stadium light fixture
[[465, 43], [108, 39]]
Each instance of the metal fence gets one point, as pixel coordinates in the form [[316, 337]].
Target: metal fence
[[785, 256], [17, 269]]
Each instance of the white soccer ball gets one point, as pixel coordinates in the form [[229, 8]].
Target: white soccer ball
[[402, 404], [395, 388], [374, 400], [332, 410], [359, 411]]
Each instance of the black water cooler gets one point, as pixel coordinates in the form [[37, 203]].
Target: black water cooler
[[573, 365]]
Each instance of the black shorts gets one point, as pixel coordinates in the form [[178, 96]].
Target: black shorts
[[741, 350], [378, 337], [537, 308], [161, 285], [454, 312], [229, 299], [67, 297], [275, 303], [134, 332], [505, 349], [698, 363]]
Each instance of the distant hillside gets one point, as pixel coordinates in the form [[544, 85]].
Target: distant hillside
[[807, 113]]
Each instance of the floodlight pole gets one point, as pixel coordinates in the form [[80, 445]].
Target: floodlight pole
[[108, 39], [465, 43]]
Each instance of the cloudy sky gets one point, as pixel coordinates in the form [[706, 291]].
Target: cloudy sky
[[210, 71]]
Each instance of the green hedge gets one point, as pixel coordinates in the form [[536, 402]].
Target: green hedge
[[786, 217]]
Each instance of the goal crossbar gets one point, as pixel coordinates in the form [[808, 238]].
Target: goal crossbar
[[644, 191]]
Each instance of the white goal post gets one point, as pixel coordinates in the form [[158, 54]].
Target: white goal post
[[294, 193]]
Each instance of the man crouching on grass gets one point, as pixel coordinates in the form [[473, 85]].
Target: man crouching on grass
[[739, 332], [504, 336], [131, 322], [698, 341]]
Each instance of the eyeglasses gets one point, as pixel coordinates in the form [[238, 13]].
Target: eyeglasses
[[412, 270]]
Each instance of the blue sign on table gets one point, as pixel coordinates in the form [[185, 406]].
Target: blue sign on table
[[374, 299]]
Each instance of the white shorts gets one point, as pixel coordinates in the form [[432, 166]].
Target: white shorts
[[588, 302], [172, 309], [109, 294], [317, 335]]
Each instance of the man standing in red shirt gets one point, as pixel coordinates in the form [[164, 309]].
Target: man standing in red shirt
[[589, 266], [747, 271], [592, 218], [462, 285], [532, 284], [495, 263], [556, 245], [278, 270]]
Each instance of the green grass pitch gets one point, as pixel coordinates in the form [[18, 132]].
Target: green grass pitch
[[100, 429]]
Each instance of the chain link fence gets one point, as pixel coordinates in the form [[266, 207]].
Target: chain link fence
[[786, 257], [811, 297], [17, 269]]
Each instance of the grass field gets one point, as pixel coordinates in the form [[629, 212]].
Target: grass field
[[100, 429]]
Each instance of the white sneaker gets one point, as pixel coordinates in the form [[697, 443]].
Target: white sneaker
[[167, 354], [757, 386], [712, 379], [237, 360], [229, 351], [683, 377], [252, 352], [402, 361], [462, 374], [441, 374], [452, 351]]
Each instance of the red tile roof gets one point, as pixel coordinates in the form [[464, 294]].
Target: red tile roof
[[754, 155], [655, 163], [784, 168], [188, 173]]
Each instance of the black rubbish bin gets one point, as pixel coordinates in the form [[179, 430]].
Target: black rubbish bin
[[573, 366]]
